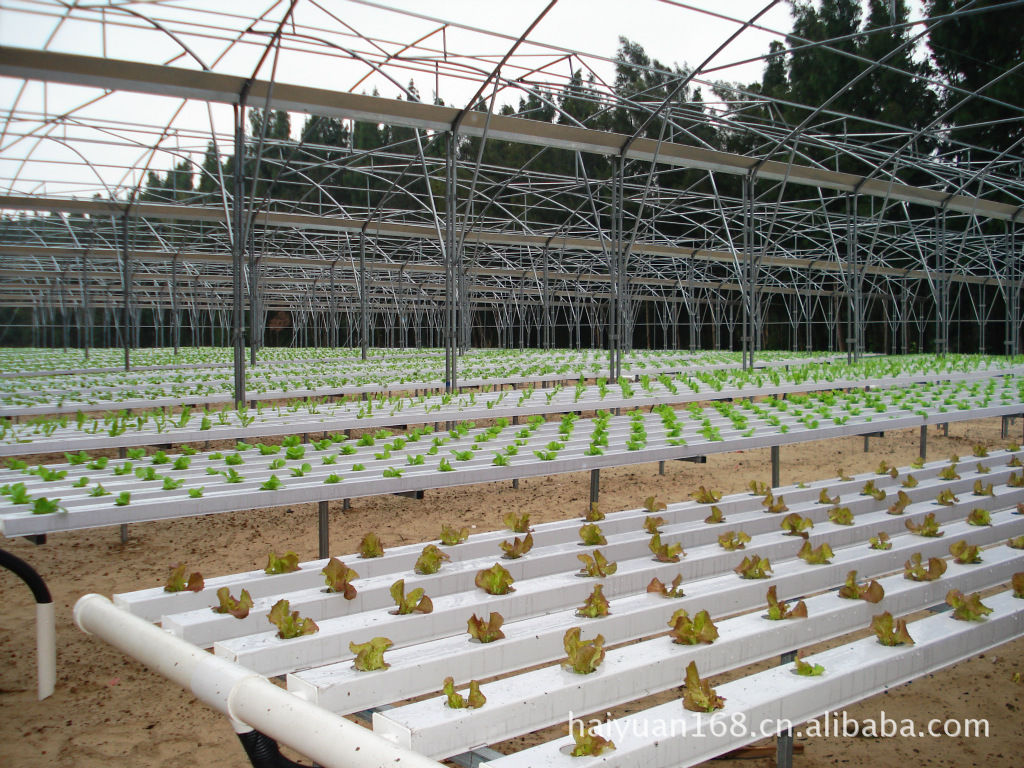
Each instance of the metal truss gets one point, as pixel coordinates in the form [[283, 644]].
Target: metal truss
[[441, 225]]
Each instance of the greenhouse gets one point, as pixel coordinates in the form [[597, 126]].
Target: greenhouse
[[725, 297]]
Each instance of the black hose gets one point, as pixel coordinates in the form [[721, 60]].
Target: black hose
[[263, 751], [28, 574]]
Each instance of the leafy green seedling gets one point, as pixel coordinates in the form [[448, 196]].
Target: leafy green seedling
[[594, 514], [596, 566], [890, 632], [44, 506], [486, 631], [841, 515], [517, 523], [124, 498], [591, 535], [289, 624], [967, 608], [456, 701], [176, 581], [495, 580], [802, 668], [881, 541], [451, 537], [665, 553], [823, 497], [371, 546], [370, 656], [587, 742], [699, 696], [754, 567], [287, 563], [517, 547], [872, 592], [430, 560], [705, 496], [979, 517], [667, 590], [914, 570], [964, 553], [901, 503], [338, 578], [238, 608], [583, 657], [779, 610], [687, 631], [596, 604], [196, 493], [819, 556], [795, 525], [408, 603], [653, 524], [928, 527], [715, 516], [980, 489], [909, 482], [949, 473], [733, 540]]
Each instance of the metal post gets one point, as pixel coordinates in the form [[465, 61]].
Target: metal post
[[867, 443], [661, 468], [775, 467], [924, 441], [126, 286], [324, 529], [237, 249], [364, 308], [784, 740], [595, 485], [175, 311]]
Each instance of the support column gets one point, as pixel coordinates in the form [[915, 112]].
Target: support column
[[237, 251], [323, 529], [595, 485], [775, 466], [923, 443]]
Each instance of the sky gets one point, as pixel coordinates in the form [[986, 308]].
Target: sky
[[675, 32]]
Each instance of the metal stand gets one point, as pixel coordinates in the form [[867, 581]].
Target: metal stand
[[324, 529], [595, 485], [775, 467], [661, 468], [924, 441]]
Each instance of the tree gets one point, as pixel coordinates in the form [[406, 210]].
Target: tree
[[973, 53]]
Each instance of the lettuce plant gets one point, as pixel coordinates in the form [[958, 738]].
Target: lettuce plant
[[591, 535], [699, 696], [980, 489], [272, 483], [594, 514], [819, 556], [964, 553], [1015, 480], [843, 476], [486, 631], [287, 563], [451, 537], [687, 631], [794, 525], [667, 590], [881, 541], [517, 523], [652, 505], [665, 553], [754, 567], [779, 610], [773, 505], [949, 473], [928, 527], [715, 516], [980, 451], [587, 742], [979, 517], [370, 656], [981, 469], [704, 496], [883, 468], [596, 566], [890, 632], [872, 592], [289, 624], [338, 578], [733, 540], [1014, 462], [430, 560], [583, 657], [1016, 542], [914, 570], [804, 669], [758, 488], [176, 581], [371, 546], [909, 482], [967, 608], [878, 494], [458, 701], [901, 503], [841, 515], [518, 547], [494, 580], [238, 608], [824, 498], [918, 463], [653, 524], [44, 506], [124, 498], [596, 604], [408, 603], [1018, 585]]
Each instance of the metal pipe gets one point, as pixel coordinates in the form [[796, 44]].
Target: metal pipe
[[46, 634]]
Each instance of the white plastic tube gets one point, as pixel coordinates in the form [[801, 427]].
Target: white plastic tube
[[46, 649], [241, 694]]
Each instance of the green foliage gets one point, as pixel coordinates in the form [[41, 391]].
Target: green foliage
[[967, 608], [914, 570], [929, 527], [456, 701], [338, 578], [665, 553], [415, 601], [698, 695], [371, 546], [286, 563], [289, 624], [518, 547], [754, 567], [733, 540], [872, 592], [686, 631], [674, 589], [451, 537], [229, 605], [779, 610], [596, 565], [430, 560], [584, 657], [486, 631], [176, 581], [595, 605], [494, 580], [890, 632]]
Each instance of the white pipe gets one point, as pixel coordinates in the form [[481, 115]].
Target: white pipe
[[241, 694], [46, 649]]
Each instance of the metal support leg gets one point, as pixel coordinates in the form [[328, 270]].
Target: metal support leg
[[346, 505], [661, 468], [123, 453], [324, 529], [867, 443], [1004, 430], [595, 485], [784, 740], [775, 467], [924, 441]]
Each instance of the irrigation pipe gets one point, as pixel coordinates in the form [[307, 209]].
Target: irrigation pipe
[[46, 636]]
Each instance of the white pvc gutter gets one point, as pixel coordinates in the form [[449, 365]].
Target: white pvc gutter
[[242, 695]]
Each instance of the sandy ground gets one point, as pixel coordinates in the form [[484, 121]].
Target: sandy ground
[[110, 711]]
